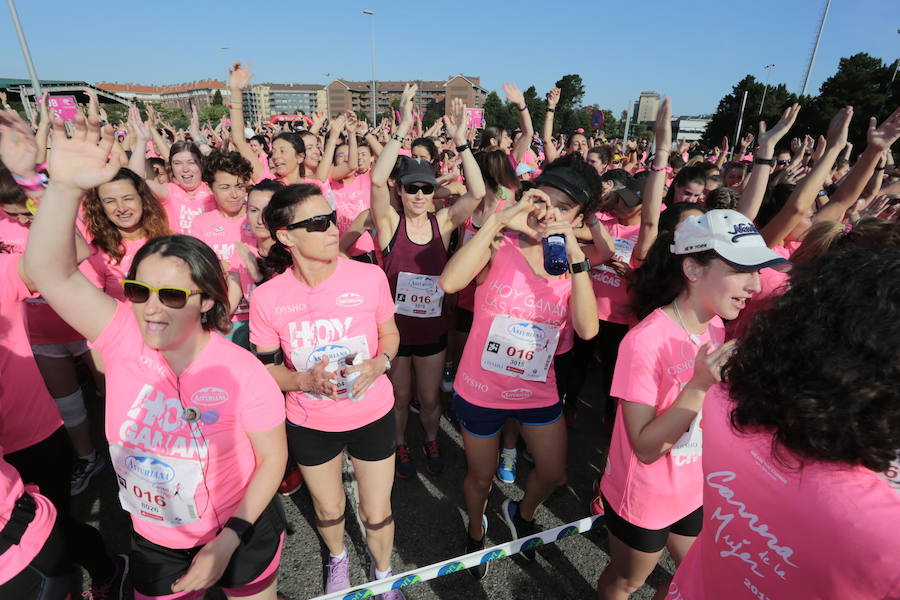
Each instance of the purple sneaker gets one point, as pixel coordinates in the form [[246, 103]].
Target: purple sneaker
[[337, 574]]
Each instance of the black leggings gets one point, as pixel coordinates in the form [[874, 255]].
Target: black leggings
[[607, 342], [48, 464], [47, 576]]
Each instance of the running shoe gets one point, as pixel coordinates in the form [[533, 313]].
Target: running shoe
[[506, 470], [292, 482], [519, 527], [390, 594], [114, 589], [414, 405], [597, 502], [434, 464], [82, 471], [406, 468], [479, 570], [337, 574], [447, 378]]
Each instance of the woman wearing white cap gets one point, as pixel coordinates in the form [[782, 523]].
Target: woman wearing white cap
[[652, 487]]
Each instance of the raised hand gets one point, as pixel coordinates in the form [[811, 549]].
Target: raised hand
[[18, 147], [884, 136], [837, 128], [81, 161], [745, 143], [514, 217], [455, 121], [662, 129], [406, 104], [318, 117], [514, 94], [768, 139], [239, 76], [553, 98]]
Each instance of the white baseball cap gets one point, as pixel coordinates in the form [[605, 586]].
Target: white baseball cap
[[732, 236]]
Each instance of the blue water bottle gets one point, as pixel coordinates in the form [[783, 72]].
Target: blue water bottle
[[555, 260]]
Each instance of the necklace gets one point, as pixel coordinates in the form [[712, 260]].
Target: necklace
[[694, 337]]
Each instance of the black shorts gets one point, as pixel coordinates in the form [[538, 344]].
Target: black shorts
[[464, 320], [423, 349], [372, 442], [650, 540], [155, 568], [47, 576]]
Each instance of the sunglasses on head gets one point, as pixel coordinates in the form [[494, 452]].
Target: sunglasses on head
[[139, 292], [412, 188], [317, 223]]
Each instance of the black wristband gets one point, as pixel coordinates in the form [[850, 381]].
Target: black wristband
[[243, 529], [551, 110], [580, 267], [523, 109], [463, 148], [764, 161], [879, 168]]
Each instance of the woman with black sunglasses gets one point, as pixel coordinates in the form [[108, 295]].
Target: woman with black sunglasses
[[414, 245], [329, 348], [195, 424]]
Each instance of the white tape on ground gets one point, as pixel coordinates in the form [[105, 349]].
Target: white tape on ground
[[374, 588]]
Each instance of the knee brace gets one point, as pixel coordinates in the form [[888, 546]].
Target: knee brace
[[71, 409]]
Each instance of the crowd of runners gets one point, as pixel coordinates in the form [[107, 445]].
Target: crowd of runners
[[254, 301]]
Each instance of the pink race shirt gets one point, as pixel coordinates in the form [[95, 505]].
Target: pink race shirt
[[521, 321], [18, 556], [28, 414], [337, 318], [47, 327], [13, 234], [772, 284], [351, 199], [611, 288], [656, 361], [109, 274], [182, 208], [221, 233], [182, 473], [765, 523]]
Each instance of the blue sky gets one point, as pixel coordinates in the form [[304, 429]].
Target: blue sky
[[693, 51]]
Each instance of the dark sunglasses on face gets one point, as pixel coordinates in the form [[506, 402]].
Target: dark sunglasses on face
[[412, 189], [139, 292], [312, 224]]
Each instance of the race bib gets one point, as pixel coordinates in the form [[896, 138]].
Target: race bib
[[691, 441], [341, 354], [623, 250], [158, 490], [520, 348], [892, 474], [418, 295]]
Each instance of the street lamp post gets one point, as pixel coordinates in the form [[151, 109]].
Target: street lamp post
[[35, 82], [372, 14], [768, 69]]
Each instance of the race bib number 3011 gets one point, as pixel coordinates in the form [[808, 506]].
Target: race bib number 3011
[[520, 348], [418, 295]]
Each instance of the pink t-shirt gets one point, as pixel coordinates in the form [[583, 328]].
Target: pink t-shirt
[[13, 234], [182, 208], [158, 454], [656, 361], [351, 199], [610, 288], [18, 556], [28, 414], [337, 317], [520, 322], [772, 284], [221, 233], [776, 531], [47, 327], [110, 274]]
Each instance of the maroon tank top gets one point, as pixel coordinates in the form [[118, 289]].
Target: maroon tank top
[[402, 255]]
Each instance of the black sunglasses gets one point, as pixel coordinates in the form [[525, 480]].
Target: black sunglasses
[[317, 223], [139, 292], [412, 189]]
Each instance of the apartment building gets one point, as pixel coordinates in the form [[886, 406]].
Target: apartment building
[[343, 95], [180, 95], [266, 100]]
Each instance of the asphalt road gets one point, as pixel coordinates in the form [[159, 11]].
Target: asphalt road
[[430, 526]]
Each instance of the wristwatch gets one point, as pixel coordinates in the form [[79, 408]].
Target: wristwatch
[[387, 366], [243, 529], [580, 267]]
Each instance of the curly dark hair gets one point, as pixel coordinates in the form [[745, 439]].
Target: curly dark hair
[[105, 235], [826, 385], [229, 162]]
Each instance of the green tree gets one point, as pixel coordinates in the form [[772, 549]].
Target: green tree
[[496, 112], [212, 113], [117, 113], [571, 89], [217, 98], [434, 112]]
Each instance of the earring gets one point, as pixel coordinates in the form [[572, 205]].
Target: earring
[[203, 317]]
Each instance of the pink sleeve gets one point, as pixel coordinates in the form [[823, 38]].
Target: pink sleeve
[[635, 378], [262, 404], [386, 308], [262, 334], [113, 339], [14, 289]]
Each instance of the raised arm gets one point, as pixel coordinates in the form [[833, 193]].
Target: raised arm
[[239, 79], [383, 214], [752, 195], [77, 165], [653, 186], [138, 160], [194, 129], [879, 139], [336, 127], [43, 130], [804, 195], [550, 153], [452, 217], [514, 95]]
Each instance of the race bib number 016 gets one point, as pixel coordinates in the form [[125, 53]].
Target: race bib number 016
[[155, 489], [520, 348], [418, 295], [340, 355]]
